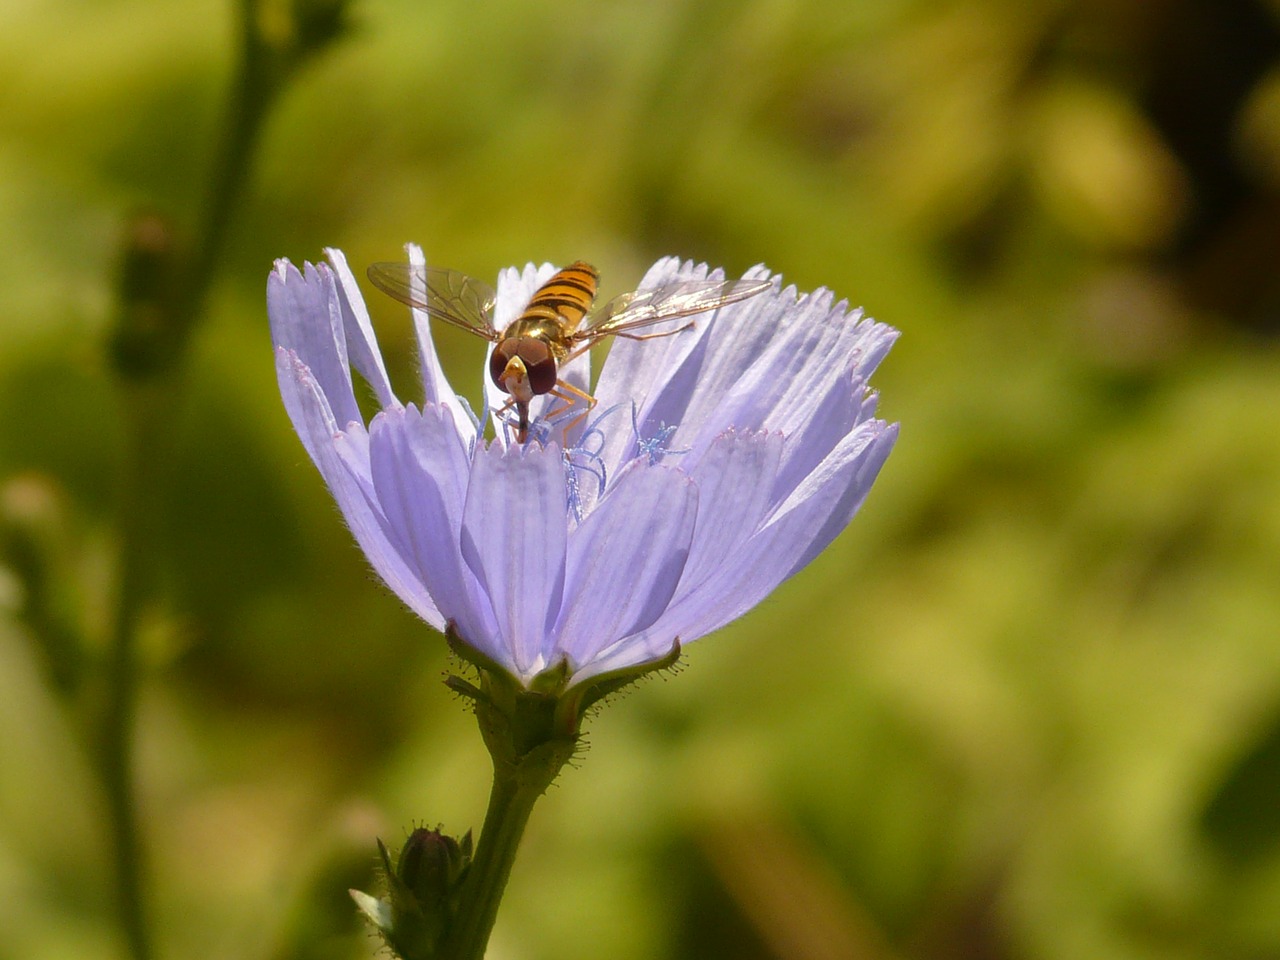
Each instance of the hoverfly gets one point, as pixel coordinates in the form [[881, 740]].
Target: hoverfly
[[556, 325]]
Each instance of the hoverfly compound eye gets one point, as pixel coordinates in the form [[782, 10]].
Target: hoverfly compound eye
[[540, 363], [498, 361], [523, 367]]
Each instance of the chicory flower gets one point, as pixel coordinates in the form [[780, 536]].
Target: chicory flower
[[717, 462]]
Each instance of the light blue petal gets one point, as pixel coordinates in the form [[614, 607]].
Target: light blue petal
[[625, 560], [766, 374], [762, 363], [842, 406], [873, 344], [852, 347], [634, 366], [362, 345], [435, 385], [796, 532], [514, 535], [420, 471], [778, 386], [833, 493], [305, 404], [342, 459], [306, 319], [652, 377], [735, 480]]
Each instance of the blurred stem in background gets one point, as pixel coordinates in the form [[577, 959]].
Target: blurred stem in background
[[162, 293]]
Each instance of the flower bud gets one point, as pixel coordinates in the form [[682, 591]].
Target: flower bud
[[431, 865], [142, 342], [422, 892]]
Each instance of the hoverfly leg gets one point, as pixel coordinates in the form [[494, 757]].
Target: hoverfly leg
[[652, 336], [569, 397], [574, 354]]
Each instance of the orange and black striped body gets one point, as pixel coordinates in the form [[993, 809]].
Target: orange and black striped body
[[558, 308], [525, 360]]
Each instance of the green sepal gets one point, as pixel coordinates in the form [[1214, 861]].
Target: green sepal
[[586, 695], [550, 707]]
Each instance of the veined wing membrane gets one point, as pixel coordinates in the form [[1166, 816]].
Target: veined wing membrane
[[631, 311], [446, 295]]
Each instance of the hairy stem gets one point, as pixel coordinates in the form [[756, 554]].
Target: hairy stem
[[510, 804]]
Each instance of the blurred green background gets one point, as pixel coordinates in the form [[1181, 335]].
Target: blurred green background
[[1028, 706]]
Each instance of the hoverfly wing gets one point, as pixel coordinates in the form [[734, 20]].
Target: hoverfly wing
[[643, 308], [446, 295]]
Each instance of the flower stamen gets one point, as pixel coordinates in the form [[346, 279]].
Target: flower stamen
[[654, 448]]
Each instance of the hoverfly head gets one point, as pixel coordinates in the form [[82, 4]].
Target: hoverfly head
[[523, 367]]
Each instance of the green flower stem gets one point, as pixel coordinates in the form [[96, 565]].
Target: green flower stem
[[530, 739], [151, 367], [531, 733], [162, 300], [257, 83], [116, 743], [510, 804]]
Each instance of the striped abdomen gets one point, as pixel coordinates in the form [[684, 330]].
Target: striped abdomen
[[561, 302]]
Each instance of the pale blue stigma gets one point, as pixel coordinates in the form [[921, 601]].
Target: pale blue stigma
[[585, 456]]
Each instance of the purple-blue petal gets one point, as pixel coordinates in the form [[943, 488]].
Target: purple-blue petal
[[734, 479], [435, 385], [625, 560], [752, 383], [420, 471], [305, 318], [795, 532], [653, 378], [514, 538], [843, 403], [342, 459], [361, 344], [835, 491]]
